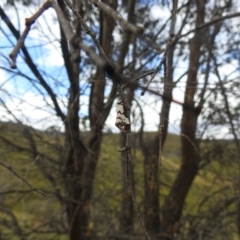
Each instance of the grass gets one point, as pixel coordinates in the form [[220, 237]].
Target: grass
[[32, 209]]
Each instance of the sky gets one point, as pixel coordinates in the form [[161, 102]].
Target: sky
[[34, 107]]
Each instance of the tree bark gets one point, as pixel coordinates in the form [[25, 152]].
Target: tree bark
[[174, 202], [168, 88], [151, 157], [81, 158]]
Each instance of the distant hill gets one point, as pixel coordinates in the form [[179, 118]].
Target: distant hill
[[219, 173]]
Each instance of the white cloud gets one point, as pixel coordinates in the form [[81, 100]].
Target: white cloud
[[159, 12], [30, 109]]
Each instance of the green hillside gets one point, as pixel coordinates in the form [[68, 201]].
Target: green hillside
[[215, 182]]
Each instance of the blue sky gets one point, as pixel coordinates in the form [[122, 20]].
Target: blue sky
[[35, 109]]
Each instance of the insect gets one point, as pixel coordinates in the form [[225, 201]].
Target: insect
[[122, 121]]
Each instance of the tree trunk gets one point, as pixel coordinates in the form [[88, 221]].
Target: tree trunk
[[168, 88], [173, 205], [81, 158], [151, 157]]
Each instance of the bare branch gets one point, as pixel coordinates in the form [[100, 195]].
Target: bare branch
[[63, 22], [124, 24], [171, 35], [32, 66], [24, 180], [127, 26], [207, 24], [71, 38], [136, 208], [89, 32], [117, 78], [67, 30], [127, 150], [152, 77], [151, 43], [96, 59], [28, 23], [139, 77]]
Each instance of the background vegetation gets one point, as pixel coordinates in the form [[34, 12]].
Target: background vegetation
[[71, 63]]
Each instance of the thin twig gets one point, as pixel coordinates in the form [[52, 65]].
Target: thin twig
[[126, 26], [23, 179], [143, 75], [169, 43], [152, 77], [118, 79], [89, 32], [74, 40], [28, 23], [129, 159], [207, 24], [66, 28], [162, 116], [151, 43], [139, 77], [127, 149], [136, 209], [161, 127]]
